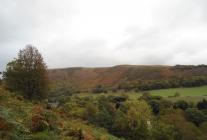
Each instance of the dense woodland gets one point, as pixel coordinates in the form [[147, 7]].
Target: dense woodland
[[35, 105]]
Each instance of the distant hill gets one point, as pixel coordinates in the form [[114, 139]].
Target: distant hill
[[129, 75]]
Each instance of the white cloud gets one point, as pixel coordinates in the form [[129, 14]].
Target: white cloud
[[104, 33]]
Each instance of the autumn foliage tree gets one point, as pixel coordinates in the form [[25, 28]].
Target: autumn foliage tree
[[27, 74]]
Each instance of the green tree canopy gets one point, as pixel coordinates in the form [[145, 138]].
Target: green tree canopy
[[132, 120], [27, 74], [196, 116]]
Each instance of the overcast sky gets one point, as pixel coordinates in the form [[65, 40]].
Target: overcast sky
[[97, 33]]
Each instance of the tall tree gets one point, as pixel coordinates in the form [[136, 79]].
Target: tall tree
[[27, 73]]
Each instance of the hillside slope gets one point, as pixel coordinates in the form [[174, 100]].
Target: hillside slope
[[22, 119], [88, 78]]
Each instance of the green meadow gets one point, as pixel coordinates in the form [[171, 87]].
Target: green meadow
[[193, 94], [193, 91]]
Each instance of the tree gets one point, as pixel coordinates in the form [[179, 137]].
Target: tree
[[99, 89], [194, 115], [27, 74], [155, 105], [181, 104], [202, 104], [132, 120], [183, 129], [162, 131]]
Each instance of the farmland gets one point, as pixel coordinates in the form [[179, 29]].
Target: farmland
[[193, 94], [194, 91]]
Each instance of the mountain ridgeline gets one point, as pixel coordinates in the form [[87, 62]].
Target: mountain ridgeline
[[129, 77]]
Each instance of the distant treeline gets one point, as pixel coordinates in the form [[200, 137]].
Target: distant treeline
[[143, 85], [166, 83], [190, 66]]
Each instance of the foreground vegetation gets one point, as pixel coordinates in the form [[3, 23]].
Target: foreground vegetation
[[21, 119], [28, 112], [101, 118]]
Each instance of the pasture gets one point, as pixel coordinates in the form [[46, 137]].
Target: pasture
[[193, 94]]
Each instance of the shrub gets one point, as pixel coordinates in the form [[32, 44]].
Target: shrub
[[99, 89], [5, 126], [184, 129], [181, 104], [161, 131], [38, 124], [132, 120], [43, 136], [155, 105], [202, 104], [194, 115], [91, 112]]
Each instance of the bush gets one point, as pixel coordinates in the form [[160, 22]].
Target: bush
[[184, 129], [38, 124], [202, 104], [194, 115], [155, 105], [43, 136], [91, 112], [99, 89], [6, 120], [181, 104], [161, 131], [132, 120]]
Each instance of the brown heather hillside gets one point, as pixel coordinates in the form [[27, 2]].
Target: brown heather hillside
[[88, 78]]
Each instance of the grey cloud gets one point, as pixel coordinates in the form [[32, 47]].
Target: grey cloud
[[84, 53], [177, 41], [171, 32], [27, 21]]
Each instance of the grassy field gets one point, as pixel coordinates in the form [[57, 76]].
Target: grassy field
[[194, 94], [195, 91]]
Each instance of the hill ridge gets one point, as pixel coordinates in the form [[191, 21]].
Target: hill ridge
[[86, 78]]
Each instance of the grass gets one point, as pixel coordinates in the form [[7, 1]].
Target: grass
[[195, 91], [193, 94]]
